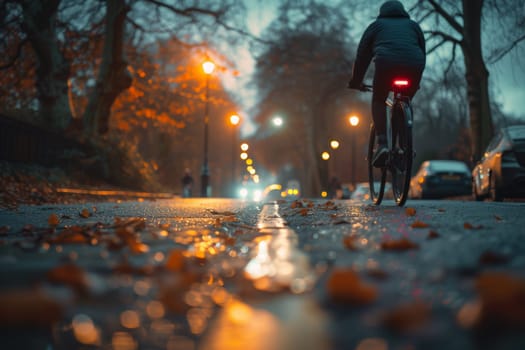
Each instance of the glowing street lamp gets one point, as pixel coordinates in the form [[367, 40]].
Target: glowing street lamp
[[234, 121], [277, 121], [334, 144], [208, 67], [353, 120], [325, 155]]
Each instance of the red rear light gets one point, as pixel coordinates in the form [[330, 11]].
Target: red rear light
[[401, 83]]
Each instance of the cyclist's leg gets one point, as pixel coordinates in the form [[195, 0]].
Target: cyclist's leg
[[380, 93], [381, 89]]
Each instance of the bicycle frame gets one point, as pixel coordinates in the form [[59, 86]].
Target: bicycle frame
[[399, 143], [396, 99]]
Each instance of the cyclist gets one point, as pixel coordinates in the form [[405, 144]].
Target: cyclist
[[397, 45]]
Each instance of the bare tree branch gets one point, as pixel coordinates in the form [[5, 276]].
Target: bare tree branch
[[444, 39], [499, 54], [188, 11], [451, 60], [191, 12], [450, 19], [426, 15], [135, 25]]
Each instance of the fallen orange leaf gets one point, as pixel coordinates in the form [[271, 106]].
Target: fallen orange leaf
[[28, 308], [345, 286], [53, 220], [493, 258], [230, 241], [172, 291], [502, 299], [296, 204], [230, 218], [225, 213], [350, 242], [377, 273], [407, 317], [419, 224], [399, 244], [135, 224], [4, 230], [433, 234], [175, 261], [469, 226], [70, 275], [410, 211], [69, 236], [138, 247]]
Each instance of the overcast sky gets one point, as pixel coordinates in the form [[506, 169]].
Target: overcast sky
[[506, 77]]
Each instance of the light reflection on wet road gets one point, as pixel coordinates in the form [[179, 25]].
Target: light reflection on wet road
[[285, 322], [222, 274]]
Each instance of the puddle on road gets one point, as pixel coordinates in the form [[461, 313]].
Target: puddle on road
[[277, 262], [287, 321]]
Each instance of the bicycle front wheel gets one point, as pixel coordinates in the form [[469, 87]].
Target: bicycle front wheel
[[402, 152], [376, 176]]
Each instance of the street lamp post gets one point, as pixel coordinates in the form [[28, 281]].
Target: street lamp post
[[208, 68], [234, 121], [332, 170], [354, 121]]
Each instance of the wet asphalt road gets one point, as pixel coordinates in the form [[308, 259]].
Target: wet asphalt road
[[226, 274]]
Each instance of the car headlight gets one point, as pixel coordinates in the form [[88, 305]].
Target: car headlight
[[257, 195], [243, 192]]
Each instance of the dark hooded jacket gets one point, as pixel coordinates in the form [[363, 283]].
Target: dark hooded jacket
[[392, 39]]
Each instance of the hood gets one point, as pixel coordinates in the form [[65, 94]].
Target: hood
[[392, 9]]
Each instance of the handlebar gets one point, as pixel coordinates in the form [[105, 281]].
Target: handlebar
[[363, 87]]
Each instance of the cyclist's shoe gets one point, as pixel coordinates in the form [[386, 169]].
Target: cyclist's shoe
[[380, 156]]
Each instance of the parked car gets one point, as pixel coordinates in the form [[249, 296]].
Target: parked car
[[440, 179], [501, 171], [362, 191]]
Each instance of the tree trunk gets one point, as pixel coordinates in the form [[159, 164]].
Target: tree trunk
[[113, 77], [313, 175], [477, 79], [39, 21]]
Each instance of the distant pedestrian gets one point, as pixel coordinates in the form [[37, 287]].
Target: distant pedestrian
[[187, 183], [335, 189]]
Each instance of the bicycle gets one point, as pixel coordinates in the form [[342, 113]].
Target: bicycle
[[400, 149]]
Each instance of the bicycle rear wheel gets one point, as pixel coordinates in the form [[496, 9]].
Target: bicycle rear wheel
[[376, 176], [402, 152]]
